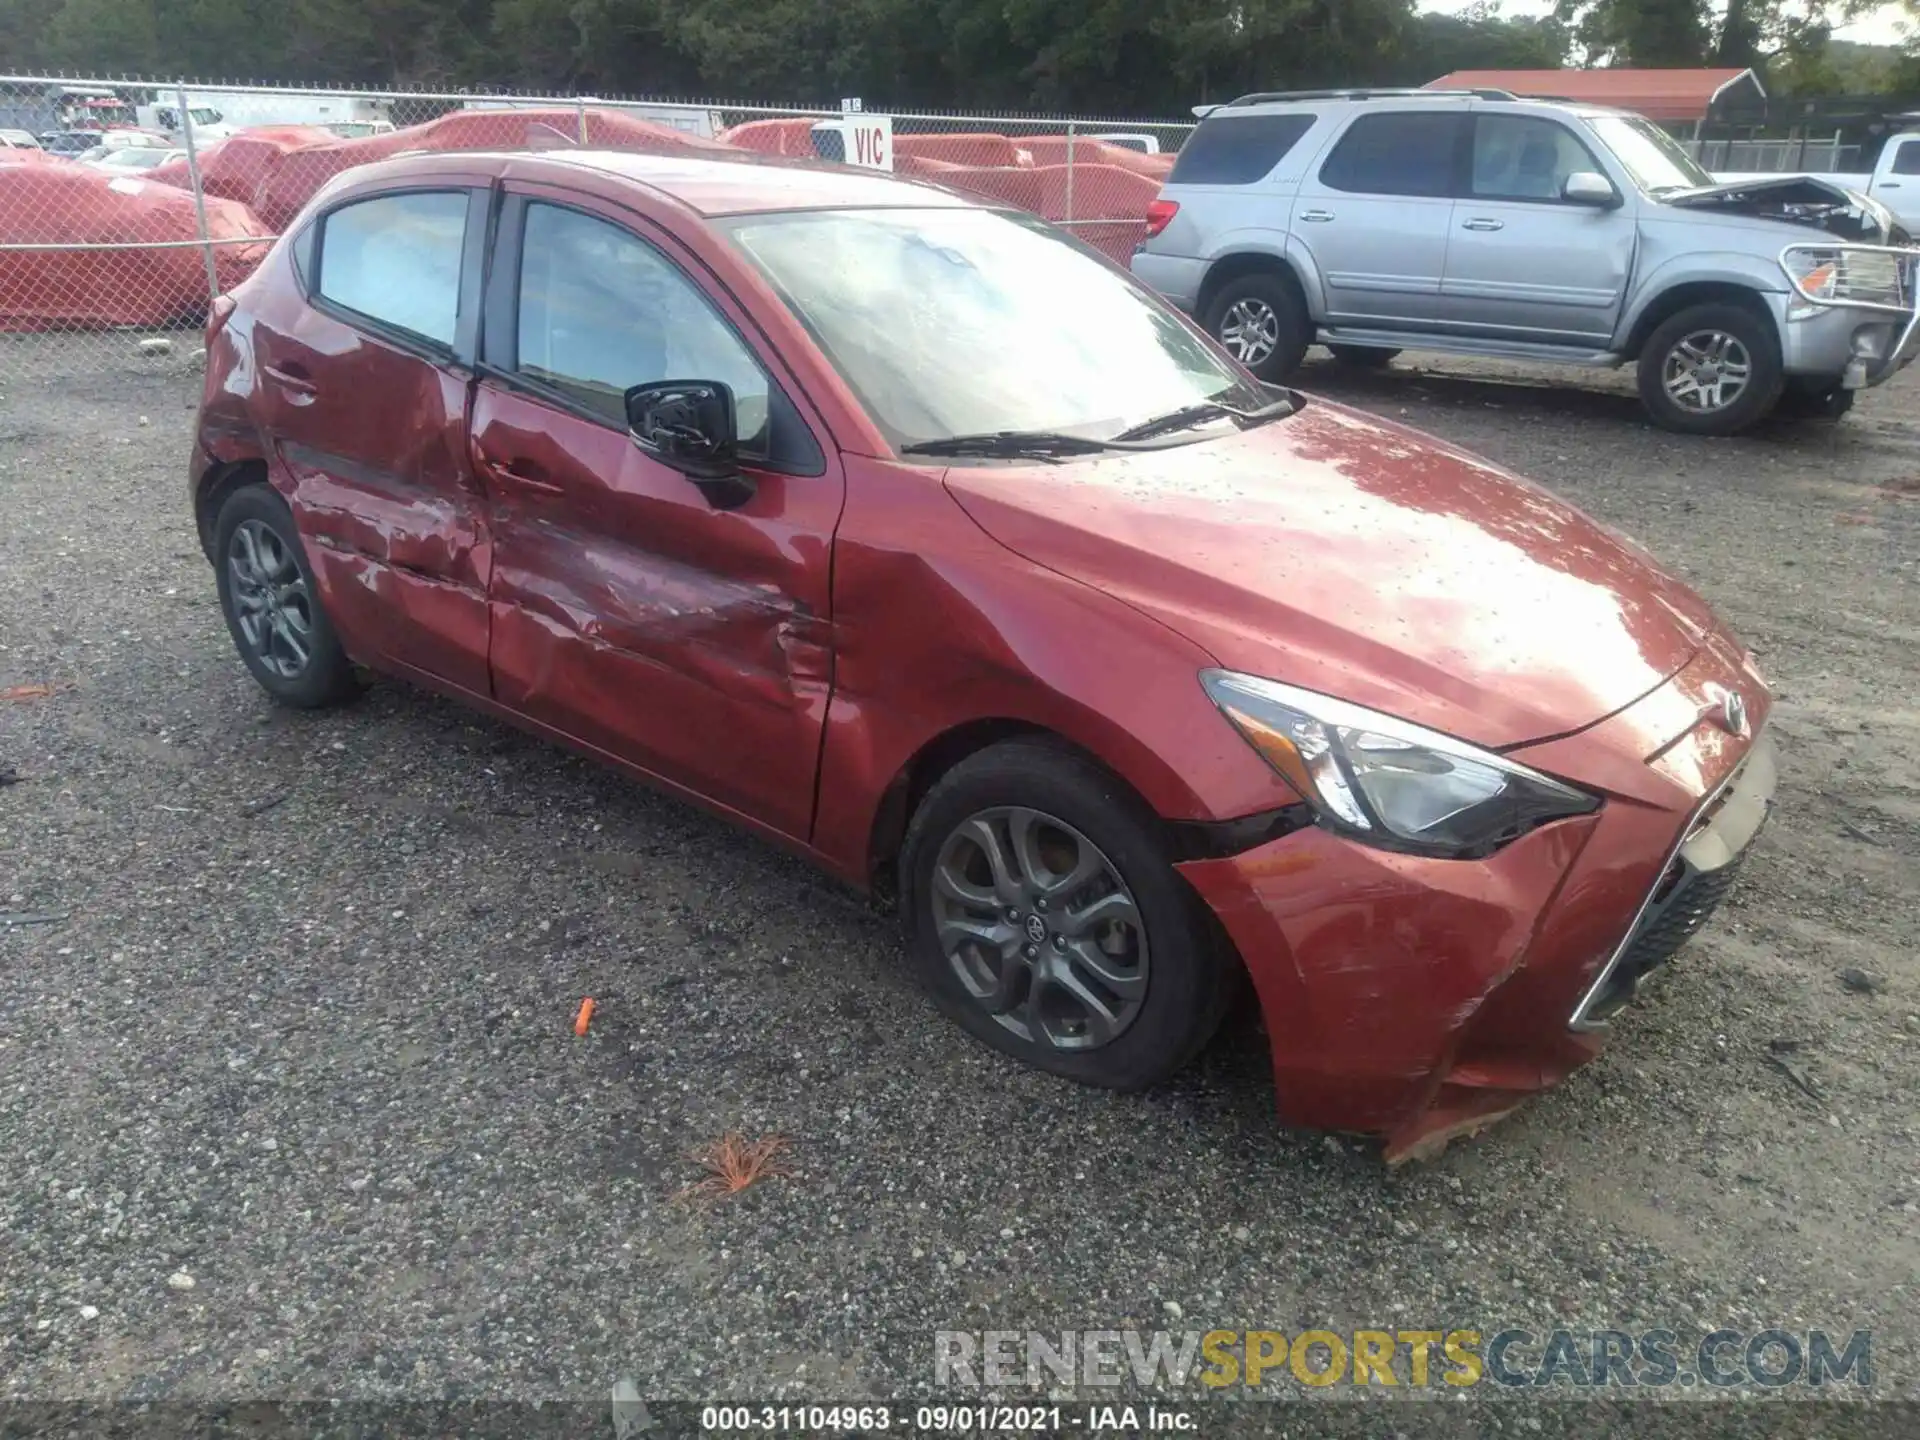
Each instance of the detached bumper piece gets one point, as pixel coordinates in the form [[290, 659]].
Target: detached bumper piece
[[1696, 879]]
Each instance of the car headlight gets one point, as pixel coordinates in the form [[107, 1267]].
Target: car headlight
[[1860, 276], [1386, 782]]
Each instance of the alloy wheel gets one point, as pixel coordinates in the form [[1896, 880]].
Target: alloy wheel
[[1707, 371], [1040, 928], [1250, 330], [271, 602]]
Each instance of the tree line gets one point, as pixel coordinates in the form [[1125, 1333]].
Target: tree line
[[1138, 57]]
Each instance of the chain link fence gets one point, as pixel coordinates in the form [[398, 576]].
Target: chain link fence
[[126, 206]]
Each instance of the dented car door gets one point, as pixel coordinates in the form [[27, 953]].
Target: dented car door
[[362, 380], [627, 611]]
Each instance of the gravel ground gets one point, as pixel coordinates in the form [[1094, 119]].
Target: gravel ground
[[291, 1105]]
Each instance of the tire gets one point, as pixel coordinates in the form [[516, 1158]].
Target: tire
[[272, 605], [1697, 345], [1171, 980], [1363, 357], [1262, 323]]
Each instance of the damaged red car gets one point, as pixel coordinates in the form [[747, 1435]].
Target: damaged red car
[[914, 536]]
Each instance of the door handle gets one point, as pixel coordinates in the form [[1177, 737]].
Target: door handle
[[1316, 217], [519, 473], [292, 378], [1484, 225]]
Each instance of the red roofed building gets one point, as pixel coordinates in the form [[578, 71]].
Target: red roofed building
[[1669, 96]]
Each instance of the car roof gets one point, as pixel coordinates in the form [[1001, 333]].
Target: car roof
[[1400, 100], [718, 184]]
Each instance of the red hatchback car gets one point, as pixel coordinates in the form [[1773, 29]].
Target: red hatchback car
[[915, 536]]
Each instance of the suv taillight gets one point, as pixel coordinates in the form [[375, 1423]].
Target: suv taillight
[[1160, 214]]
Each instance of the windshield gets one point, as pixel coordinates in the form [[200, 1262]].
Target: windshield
[[971, 322], [1654, 158]]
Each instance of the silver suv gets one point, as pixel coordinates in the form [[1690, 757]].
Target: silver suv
[[1475, 223]]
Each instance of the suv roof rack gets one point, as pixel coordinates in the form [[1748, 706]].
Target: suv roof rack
[[1366, 92]]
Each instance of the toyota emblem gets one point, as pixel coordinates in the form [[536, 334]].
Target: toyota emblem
[[1036, 929], [1733, 714]]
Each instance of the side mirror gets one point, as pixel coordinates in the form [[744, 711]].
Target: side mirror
[[688, 425], [1590, 187]]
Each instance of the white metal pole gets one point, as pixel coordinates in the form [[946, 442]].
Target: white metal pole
[[1070, 133], [199, 196]]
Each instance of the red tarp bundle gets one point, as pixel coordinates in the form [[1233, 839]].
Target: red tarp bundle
[[1106, 201], [775, 137], [233, 168], [59, 203], [1052, 150], [293, 178], [1107, 206], [961, 149]]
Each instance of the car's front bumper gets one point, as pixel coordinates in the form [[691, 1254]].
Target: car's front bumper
[[1417, 999], [1695, 879], [1856, 342]]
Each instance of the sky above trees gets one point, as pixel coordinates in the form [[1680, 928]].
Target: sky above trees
[[1880, 24], [1117, 57]]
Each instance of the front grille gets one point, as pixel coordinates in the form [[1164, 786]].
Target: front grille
[[1683, 902]]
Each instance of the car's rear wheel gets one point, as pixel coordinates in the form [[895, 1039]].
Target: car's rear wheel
[[272, 606], [1711, 370], [1363, 357], [1046, 918], [1262, 323]]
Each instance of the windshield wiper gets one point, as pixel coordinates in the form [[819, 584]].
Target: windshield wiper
[[1012, 444], [1189, 416]]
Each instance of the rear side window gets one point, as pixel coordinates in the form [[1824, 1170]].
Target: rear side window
[[396, 260], [1238, 149], [1906, 160], [1404, 152]]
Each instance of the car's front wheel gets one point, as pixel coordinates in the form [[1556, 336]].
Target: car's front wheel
[[272, 606], [1046, 918], [1260, 320], [1711, 370]]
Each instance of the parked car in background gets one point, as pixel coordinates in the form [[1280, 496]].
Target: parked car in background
[[129, 158], [108, 142], [1894, 181], [914, 536], [18, 140], [70, 142], [1476, 224], [357, 129]]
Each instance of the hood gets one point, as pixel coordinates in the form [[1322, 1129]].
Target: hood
[[1804, 200], [1361, 559]]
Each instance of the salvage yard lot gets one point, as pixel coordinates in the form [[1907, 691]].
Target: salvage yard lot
[[305, 1034]]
